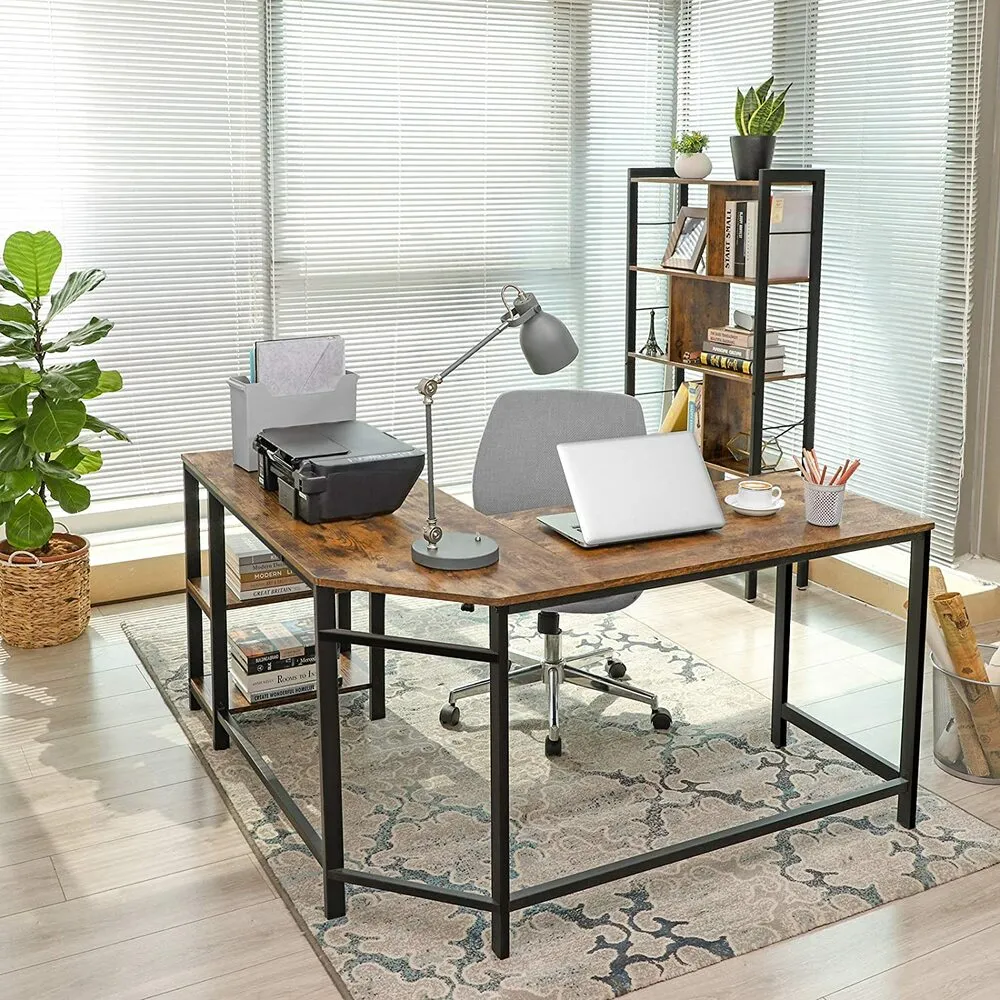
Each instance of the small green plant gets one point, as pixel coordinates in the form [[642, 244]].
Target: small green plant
[[689, 143], [759, 111], [44, 422]]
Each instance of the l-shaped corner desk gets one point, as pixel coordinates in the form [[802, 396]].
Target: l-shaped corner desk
[[536, 569]]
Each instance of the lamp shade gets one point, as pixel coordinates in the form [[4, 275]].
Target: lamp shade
[[546, 343]]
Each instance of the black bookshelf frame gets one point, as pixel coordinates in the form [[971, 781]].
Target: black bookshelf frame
[[766, 180]]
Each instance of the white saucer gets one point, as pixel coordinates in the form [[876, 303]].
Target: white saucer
[[754, 511]]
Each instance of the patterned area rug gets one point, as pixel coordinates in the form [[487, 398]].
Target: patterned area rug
[[416, 805]]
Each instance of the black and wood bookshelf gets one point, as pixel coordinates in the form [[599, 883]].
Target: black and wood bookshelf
[[732, 403]]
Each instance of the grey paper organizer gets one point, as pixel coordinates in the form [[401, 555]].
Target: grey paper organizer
[[254, 408]]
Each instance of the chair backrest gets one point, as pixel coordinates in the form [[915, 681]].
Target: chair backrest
[[518, 468]]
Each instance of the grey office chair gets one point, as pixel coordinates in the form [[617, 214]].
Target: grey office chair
[[518, 468]]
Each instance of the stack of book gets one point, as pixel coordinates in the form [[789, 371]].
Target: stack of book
[[788, 247], [273, 660], [253, 570], [731, 348]]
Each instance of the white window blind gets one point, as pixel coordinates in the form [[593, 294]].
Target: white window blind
[[885, 98], [133, 129], [425, 153]]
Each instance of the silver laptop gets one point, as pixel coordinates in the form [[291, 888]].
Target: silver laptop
[[625, 489]]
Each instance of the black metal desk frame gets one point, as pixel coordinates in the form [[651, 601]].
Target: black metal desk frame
[[327, 843]]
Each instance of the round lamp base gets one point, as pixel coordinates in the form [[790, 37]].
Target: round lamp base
[[456, 550]]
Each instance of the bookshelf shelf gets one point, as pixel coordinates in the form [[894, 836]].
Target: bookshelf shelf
[[732, 403], [658, 177], [353, 673], [728, 279], [719, 372], [198, 589]]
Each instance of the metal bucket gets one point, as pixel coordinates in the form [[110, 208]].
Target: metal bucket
[[954, 742]]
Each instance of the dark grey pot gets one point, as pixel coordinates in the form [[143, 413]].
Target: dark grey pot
[[751, 154]]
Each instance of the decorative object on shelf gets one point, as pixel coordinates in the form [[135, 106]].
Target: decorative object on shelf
[[547, 347], [771, 452], [695, 414], [691, 160], [651, 348], [44, 574], [687, 239], [759, 114]]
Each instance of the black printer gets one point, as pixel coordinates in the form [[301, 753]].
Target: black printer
[[326, 472]]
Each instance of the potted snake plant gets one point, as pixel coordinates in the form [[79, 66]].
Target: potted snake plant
[[46, 435], [759, 114]]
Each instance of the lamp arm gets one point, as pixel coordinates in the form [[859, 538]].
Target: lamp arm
[[473, 350], [427, 388]]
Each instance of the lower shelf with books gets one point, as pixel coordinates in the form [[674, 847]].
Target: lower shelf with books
[[198, 589], [353, 671]]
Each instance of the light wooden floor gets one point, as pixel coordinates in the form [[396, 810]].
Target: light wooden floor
[[123, 876]]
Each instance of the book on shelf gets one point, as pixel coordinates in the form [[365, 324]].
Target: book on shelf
[[277, 680], [735, 336], [735, 247], [771, 367], [744, 353], [255, 697], [257, 648], [260, 593], [244, 550], [790, 219], [269, 572], [255, 581], [263, 667]]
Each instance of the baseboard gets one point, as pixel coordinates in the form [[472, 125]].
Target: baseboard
[[882, 583]]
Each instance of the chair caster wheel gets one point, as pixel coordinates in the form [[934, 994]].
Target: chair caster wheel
[[615, 669], [553, 748], [449, 716], [662, 719]]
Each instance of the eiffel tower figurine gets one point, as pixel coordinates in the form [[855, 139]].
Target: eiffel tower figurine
[[651, 348]]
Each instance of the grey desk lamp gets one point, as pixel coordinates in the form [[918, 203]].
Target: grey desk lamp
[[548, 347]]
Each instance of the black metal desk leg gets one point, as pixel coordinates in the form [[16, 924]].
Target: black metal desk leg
[[376, 657], [328, 731], [802, 576], [499, 785], [750, 586], [217, 601], [782, 637], [913, 678], [192, 570], [344, 617]]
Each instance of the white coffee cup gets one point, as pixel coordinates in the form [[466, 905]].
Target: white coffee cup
[[758, 495]]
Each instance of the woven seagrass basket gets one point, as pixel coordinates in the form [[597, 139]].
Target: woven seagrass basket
[[45, 600]]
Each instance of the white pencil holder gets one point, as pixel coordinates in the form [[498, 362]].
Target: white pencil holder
[[824, 504]]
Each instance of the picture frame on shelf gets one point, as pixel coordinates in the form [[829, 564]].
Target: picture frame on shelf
[[686, 246]]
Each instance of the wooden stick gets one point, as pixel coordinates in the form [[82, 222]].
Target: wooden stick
[[813, 465], [836, 475], [972, 751], [822, 476], [952, 616], [965, 728]]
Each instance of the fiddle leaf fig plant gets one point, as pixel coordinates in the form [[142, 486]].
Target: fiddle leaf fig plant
[[45, 428]]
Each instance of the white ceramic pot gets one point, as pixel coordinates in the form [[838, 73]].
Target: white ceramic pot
[[695, 166]]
